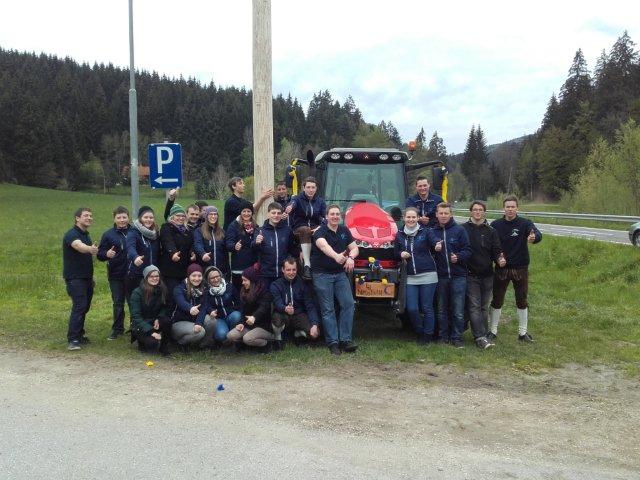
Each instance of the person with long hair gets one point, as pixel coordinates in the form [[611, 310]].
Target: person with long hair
[[187, 296], [255, 330], [413, 246], [150, 325], [143, 248], [238, 239], [219, 312], [209, 244]]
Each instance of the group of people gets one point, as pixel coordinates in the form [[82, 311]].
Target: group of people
[[193, 282]]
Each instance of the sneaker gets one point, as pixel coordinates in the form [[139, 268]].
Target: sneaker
[[113, 335], [84, 340], [457, 343], [306, 272], [491, 337], [348, 347], [74, 345], [334, 349], [483, 343], [526, 338]]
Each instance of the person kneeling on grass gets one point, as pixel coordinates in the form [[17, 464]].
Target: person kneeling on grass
[[187, 297], [219, 312], [293, 307], [150, 325], [255, 330]]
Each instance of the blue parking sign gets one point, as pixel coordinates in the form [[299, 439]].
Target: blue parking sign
[[165, 165]]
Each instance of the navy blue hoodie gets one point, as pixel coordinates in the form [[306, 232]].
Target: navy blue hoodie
[[278, 244], [117, 266], [223, 304], [426, 208], [183, 304], [456, 241], [419, 246], [217, 249], [285, 292], [307, 212], [247, 256], [137, 246]]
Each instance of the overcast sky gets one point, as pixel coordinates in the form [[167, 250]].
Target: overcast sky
[[442, 66]]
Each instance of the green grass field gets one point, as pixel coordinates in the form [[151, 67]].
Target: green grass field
[[585, 299]]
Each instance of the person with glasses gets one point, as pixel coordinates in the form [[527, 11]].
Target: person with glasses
[[220, 309]]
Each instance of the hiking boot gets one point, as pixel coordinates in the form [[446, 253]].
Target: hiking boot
[[113, 335], [84, 340], [483, 343], [306, 272], [526, 338], [334, 349], [348, 347], [491, 337], [457, 343], [74, 345]]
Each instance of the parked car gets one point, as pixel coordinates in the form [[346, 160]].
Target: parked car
[[634, 234]]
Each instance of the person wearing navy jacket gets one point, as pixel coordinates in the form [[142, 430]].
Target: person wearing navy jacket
[[453, 249], [143, 248], [220, 309], [209, 243], [413, 246], [293, 306], [282, 197], [273, 243], [238, 240], [113, 250], [187, 297], [306, 212], [516, 233], [426, 202]]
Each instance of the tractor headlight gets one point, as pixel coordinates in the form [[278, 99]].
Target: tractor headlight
[[335, 156], [383, 156], [396, 157], [348, 156]]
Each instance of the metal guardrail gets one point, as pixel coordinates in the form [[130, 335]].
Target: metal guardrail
[[574, 216]]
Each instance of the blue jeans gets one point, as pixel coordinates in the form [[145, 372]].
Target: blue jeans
[[451, 294], [330, 286], [81, 292], [117, 297], [224, 324], [420, 307]]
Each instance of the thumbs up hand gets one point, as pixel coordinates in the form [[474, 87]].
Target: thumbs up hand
[[259, 238], [111, 252], [139, 261], [238, 245], [195, 310], [438, 246], [502, 261], [93, 249], [531, 237], [206, 257], [175, 257]]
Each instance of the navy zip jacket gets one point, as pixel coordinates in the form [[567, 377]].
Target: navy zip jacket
[[485, 248], [283, 202], [117, 266], [137, 246], [217, 249], [183, 304], [513, 237], [285, 292], [278, 244], [173, 240], [223, 304], [247, 256], [456, 241], [307, 212], [419, 246], [426, 208]]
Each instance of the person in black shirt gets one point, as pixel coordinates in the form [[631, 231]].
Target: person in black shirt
[[235, 203], [515, 233], [77, 270], [333, 254]]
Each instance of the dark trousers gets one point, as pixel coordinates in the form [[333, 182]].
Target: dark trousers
[[117, 287], [501, 279], [291, 323], [81, 292], [236, 280], [479, 291], [130, 284], [171, 283], [146, 343]]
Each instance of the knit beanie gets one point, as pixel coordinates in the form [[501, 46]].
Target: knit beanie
[[209, 269], [194, 267], [246, 204], [176, 209], [147, 270], [143, 209], [209, 209], [251, 273]]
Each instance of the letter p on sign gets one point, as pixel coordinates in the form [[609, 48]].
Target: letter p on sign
[[160, 153]]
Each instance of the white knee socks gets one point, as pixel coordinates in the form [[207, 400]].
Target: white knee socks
[[494, 318], [523, 319], [306, 253]]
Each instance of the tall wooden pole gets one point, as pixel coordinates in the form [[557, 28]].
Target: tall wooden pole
[[262, 102]]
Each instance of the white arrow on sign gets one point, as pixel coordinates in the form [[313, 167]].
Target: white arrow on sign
[[161, 180]]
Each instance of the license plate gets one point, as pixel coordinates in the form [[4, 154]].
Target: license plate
[[375, 290]]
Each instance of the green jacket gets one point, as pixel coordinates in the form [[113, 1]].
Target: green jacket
[[142, 314]]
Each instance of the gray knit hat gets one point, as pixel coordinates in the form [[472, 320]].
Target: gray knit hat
[[148, 270]]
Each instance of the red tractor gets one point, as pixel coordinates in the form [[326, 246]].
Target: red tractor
[[370, 185]]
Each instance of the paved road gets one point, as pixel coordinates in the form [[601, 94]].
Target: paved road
[[602, 234]]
